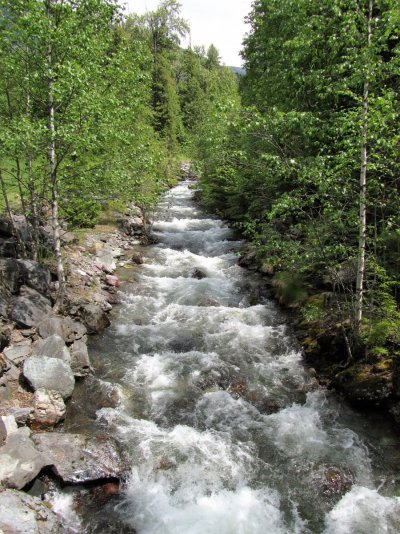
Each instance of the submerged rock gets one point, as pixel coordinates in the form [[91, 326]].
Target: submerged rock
[[22, 514], [77, 459], [43, 372], [198, 274], [332, 481]]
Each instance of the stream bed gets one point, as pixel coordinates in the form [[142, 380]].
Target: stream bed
[[224, 428]]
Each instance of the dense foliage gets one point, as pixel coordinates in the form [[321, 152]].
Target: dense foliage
[[320, 109], [95, 108]]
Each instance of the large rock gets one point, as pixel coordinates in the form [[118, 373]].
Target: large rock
[[18, 352], [64, 327], [3, 307], [22, 514], [80, 362], [8, 425], [106, 261], [48, 408], [9, 276], [20, 461], [76, 458], [54, 347], [365, 385], [29, 308], [49, 373], [34, 275], [94, 318]]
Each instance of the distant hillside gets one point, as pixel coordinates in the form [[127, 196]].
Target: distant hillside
[[238, 70]]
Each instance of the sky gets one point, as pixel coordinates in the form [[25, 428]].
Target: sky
[[218, 22]]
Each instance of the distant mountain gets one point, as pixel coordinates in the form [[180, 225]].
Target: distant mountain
[[238, 70]]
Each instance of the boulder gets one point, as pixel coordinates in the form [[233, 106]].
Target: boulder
[[9, 275], [21, 415], [77, 459], [198, 274], [18, 352], [137, 258], [106, 261], [29, 308], [8, 248], [94, 318], [132, 225], [64, 327], [54, 347], [8, 425], [22, 514], [80, 362], [364, 385], [3, 307], [4, 338], [34, 275], [93, 395], [49, 373], [20, 461], [48, 408], [112, 281]]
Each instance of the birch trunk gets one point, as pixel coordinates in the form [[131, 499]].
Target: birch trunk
[[362, 239]]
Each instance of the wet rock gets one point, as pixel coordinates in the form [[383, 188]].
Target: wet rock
[[53, 347], [106, 491], [20, 461], [77, 459], [94, 395], [64, 327], [94, 318], [49, 373], [48, 409], [364, 385], [19, 352], [22, 514], [198, 274], [8, 425], [112, 281], [29, 308], [332, 482], [137, 258], [249, 260], [80, 362]]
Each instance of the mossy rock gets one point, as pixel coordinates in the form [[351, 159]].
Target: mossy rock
[[366, 385]]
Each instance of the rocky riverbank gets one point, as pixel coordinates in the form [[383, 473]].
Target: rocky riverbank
[[367, 381], [44, 355]]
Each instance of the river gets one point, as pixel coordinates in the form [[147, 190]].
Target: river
[[223, 426]]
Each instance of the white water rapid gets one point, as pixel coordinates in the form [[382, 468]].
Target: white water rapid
[[223, 433]]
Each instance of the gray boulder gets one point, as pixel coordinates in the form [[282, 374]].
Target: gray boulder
[[54, 347], [3, 307], [18, 352], [29, 308], [22, 514], [64, 327], [77, 459], [94, 318], [80, 362], [9, 275], [8, 425], [20, 461], [48, 408], [34, 275], [106, 261], [49, 373]]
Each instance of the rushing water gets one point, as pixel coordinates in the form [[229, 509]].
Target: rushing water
[[222, 429]]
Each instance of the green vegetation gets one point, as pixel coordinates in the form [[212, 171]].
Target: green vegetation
[[308, 164], [95, 109]]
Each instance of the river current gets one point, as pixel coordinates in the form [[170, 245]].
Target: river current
[[224, 428]]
